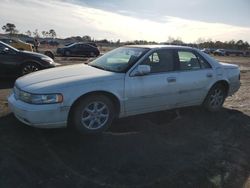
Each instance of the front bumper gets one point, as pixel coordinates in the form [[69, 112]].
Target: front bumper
[[42, 116]]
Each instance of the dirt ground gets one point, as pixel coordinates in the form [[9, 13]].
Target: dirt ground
[[196, 150]]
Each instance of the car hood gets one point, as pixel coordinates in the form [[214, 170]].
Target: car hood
[[33, 54], [64, 76]]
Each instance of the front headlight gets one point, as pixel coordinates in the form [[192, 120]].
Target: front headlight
[[47, 59], [40, 99]]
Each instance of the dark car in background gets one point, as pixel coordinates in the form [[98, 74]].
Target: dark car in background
[[208, 50], [235, 52], [220, 52], [90, 43], [14, 62], [79, 49], [49, 42]]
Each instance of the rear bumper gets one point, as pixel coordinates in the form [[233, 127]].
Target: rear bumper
[[234, 87]]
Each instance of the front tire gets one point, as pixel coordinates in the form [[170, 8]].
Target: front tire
[[29, 68], [93, 114], [215, 98]]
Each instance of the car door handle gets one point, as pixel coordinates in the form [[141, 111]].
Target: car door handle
[[171, 79], [209, 75]]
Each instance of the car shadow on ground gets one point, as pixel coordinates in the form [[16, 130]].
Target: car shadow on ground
[[195, 149]]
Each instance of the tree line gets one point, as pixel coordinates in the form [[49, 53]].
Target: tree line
[[10, 28], [232, 44]]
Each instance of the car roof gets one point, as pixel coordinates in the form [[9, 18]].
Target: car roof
[[76, 43], [159, 46], [4, 39]]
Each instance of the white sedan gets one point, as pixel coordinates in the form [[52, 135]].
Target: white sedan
[[126, 81]]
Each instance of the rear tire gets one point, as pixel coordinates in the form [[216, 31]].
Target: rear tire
[[215, 98], [93, 114]]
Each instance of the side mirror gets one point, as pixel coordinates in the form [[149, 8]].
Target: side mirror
[[141, 70], [6, 50]]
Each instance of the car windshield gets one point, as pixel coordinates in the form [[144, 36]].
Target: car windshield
[[70, 45], [4, 45], [120, 59]]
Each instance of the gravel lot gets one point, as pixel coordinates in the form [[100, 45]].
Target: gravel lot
[[199, 149]]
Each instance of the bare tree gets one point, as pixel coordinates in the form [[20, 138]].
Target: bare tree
[[86, 38], [200, 40], [28, 33], [10, 28], [44, 33], [52, 33], [36, 33]]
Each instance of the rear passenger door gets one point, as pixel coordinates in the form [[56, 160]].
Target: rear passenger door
[[195, 75], [86, 49]]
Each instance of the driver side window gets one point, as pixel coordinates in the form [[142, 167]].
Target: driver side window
[[160, 61]]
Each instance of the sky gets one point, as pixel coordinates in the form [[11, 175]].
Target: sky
[[127, 20]]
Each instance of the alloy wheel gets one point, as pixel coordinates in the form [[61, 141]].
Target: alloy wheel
[[29, 68], [216, 98], [95, 115]]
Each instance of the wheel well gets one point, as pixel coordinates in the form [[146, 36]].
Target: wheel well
[[31, 62], [50, 54], [224, 84], [111, 96]]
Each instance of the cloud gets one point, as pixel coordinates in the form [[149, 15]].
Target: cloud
[[70, 19]]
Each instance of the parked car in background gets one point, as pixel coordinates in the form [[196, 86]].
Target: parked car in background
[[18, 44], [53, 43], [220, 52], [78, 49], [14, 62], [90, 43], [235, 52], [30, 41], [126, 81], [208, 50], [49, 42]]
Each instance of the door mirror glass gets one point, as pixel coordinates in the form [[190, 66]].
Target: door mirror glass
[[141, 70], [6, 50]]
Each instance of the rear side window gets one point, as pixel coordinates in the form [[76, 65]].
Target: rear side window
[[204, 64], [190, 61], [85, 46]]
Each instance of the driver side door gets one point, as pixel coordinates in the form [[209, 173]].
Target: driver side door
[[155, 91]]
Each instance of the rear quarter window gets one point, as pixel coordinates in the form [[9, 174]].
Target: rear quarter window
[[189, 60]]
